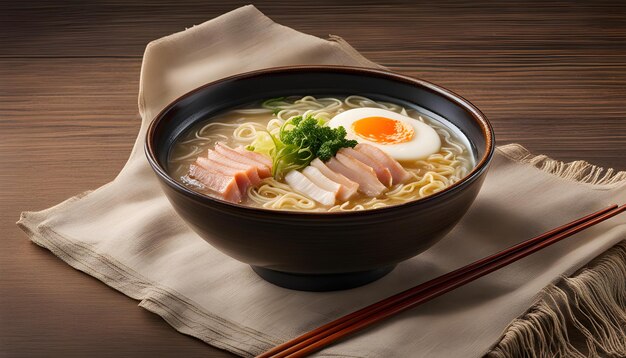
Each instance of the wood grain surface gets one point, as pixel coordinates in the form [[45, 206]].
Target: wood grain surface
[[549, 75]]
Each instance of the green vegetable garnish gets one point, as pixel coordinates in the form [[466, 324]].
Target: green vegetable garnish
[[263, 144], [275, 104], [299, 141]]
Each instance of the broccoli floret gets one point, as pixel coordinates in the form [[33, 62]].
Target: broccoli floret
[[303, 139], [330, 148]]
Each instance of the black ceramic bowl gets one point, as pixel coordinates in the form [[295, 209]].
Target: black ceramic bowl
[[320, 251]]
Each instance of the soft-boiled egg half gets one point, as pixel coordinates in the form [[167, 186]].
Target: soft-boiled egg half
[[402, 137]]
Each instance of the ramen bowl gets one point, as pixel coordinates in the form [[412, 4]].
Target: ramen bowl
[[320, 251]]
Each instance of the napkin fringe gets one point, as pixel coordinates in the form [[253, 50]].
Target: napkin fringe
[[579, 170], [589, 307]]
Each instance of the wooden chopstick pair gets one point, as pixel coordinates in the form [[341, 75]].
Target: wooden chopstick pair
[[324, 335]]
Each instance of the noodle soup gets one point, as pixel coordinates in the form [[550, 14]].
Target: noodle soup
[[431, 154]]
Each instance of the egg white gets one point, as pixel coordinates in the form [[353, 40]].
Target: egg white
[[425, 140]]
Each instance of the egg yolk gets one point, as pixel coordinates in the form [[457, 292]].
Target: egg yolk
[[383, 130]]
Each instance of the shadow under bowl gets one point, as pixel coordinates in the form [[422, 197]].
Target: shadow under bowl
[[320, 251]]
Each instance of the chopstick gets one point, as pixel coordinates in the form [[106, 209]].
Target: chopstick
[[330, 332]]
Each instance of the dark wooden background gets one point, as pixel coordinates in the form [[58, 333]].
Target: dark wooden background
[[549, 75]]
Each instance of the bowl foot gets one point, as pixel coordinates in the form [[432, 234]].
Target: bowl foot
[[321, 282]]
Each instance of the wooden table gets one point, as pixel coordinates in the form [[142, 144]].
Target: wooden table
[[551, 76]]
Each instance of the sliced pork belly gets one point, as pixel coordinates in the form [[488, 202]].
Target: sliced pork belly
[[222, 185], [315, 176], [257, 157], [250, 170], [240, 175], [301, 183], [382, 173], [221, 148], [398, 173], [348, 187], [358, 172]]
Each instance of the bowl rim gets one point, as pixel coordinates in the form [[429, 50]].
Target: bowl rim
[[476, 114]]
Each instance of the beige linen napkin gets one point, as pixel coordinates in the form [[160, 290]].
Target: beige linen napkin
[[127, 235]]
